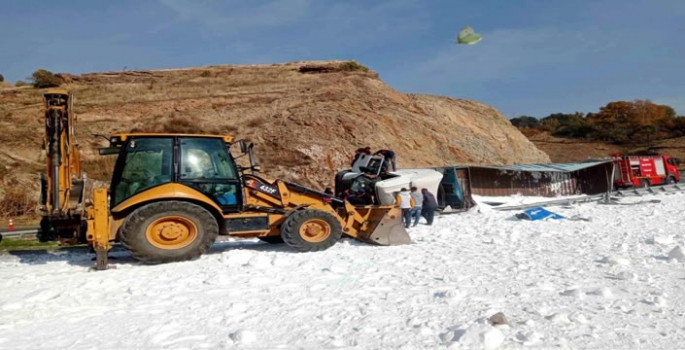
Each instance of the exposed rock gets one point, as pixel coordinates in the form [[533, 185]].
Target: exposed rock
[[498, 319], [676, 254]]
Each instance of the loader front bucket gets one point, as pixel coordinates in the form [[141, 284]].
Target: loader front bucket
[[379, 225]]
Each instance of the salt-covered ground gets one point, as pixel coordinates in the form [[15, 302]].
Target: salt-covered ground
[[606, 283]]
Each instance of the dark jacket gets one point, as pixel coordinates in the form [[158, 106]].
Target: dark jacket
[[429, 201], [386, 153]]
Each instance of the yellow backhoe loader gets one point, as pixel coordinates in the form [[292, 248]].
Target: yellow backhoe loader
[[171, 195]]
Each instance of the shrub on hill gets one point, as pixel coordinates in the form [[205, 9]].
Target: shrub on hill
[[45, 79]]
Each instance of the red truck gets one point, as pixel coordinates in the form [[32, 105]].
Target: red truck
[[645, 171]]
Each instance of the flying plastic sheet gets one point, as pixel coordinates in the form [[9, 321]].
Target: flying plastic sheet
[[468, 37]]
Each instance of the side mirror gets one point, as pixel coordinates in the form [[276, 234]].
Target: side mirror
[[243, 147]]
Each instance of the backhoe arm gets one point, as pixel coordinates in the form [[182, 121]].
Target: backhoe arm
[[63, 183]]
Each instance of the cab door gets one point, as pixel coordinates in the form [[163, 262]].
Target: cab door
[[206, 165]]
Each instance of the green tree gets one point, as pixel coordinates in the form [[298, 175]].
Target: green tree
[[45, 79], [639, 121], [549, 124], [525, 121]]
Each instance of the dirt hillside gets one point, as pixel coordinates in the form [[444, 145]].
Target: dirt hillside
[[305, 118]]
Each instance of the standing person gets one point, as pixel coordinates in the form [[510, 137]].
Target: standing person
[[389, 158], [429, 206], [366, 150], [418, 200], [406, 203]]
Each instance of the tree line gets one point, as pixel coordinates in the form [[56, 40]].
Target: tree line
[[41, 79], [619, 122]]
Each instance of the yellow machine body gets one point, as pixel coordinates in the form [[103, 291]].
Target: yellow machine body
[[159, 207]]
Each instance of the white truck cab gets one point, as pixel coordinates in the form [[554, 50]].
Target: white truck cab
[[367, 172]]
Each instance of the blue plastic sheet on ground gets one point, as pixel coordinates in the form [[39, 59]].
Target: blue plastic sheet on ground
[[538, 213]]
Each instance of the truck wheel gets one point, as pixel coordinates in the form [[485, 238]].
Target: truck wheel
[[311, 230], [644, 183], [670, 180], [169, 231], [271, 239]]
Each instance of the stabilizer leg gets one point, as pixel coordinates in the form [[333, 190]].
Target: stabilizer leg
[[101, 259]]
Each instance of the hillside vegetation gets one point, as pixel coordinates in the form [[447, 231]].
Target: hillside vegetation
[[636, 127], [640, 122], [305, 118]]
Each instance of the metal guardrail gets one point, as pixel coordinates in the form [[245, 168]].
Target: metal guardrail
[[632, 192], [565, 201], [19, 231], [20, 234], [649, 190]]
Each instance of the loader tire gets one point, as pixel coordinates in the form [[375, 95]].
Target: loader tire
[[169, 231], [311, 230]]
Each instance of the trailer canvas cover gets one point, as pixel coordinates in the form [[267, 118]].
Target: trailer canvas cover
[[546, 180]]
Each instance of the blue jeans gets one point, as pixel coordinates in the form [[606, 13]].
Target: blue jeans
[[406, 217], [416, 215]]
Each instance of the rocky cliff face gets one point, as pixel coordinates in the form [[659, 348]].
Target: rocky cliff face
[[305, 118]]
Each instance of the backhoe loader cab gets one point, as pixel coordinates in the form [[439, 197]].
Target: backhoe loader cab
[[203, 163], [171, 195]]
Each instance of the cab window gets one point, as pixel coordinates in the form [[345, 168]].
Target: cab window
[[204, 158], [207, 166], [146, 163]]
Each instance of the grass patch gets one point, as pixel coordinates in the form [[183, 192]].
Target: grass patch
[[253, 123], [178, 124], [351, 66], [9, 244], [100, 168]]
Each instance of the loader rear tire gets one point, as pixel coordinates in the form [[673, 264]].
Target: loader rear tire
[[311, 230], [169, 231]]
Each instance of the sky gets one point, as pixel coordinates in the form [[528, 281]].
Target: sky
[[536, 57]]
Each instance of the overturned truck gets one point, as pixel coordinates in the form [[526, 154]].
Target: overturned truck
[[454, 185], [448, 184]]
